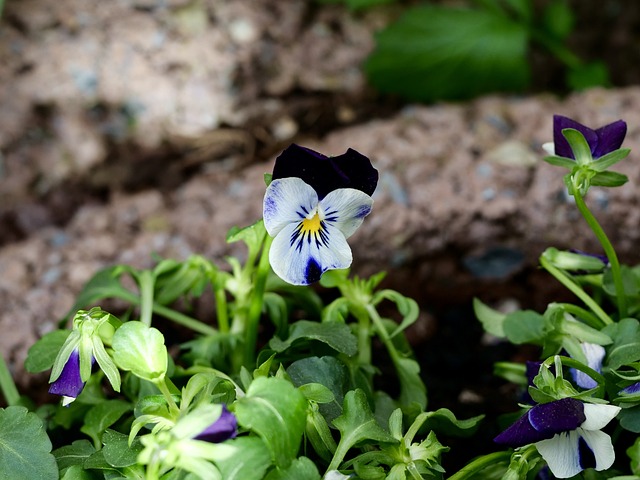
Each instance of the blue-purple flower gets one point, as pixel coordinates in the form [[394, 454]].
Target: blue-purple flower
[[69, 384], [601, 141], [594, 354], [224, 428], [567, 434], [313, 204]]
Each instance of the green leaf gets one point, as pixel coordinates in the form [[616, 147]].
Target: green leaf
[[300, 468], [492, 320], [407, 307], [609, 179], [327, 371], [25, 448], [275, 410], [250, 459], [634, 454], [610, 159], [558, 19], [104, 284], [434, 53], [412, 388], [524, 326], [102, 416], [560, 161], [583, 76], [77, 472], [629, 419], [626, 343], [43, 353], [140, 349], [357, 424], [336, 335], [117, 451], [74, 454], [579, 146], [444, 421], [253, 235]]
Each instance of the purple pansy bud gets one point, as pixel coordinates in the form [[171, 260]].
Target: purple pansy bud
[[601, 141], [69, 384], [224, 428], [595, 354], [325, 174], [631, 389], [567, 434]]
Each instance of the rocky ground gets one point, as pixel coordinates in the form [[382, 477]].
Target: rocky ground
[[136, 127]]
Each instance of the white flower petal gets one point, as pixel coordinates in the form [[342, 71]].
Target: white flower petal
[[598, 415], [345, 208], [287, 200], [594, 354], [302, 259], [601, 446], [561, 454], [549, 147]]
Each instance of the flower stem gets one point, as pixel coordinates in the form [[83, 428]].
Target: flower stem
[[255, 305], [480, 463], [162, 386], [7, 385], [576, 290], [184, 320], [146, 280], [609, 252]]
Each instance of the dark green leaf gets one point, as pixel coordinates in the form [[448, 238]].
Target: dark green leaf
[[102, 416], [77, 472], [337, 335], [275, 410], [412, 389], [435, 53], [43, 353], [629, 419], [117, 451], [588, 75], [626, 343], [327, 371], [74, 454], [25, 448], [557, 19]]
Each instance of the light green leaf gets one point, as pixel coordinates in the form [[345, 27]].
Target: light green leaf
[[275, 410], [140, 349], [560, 161], [43, 353], [611, 158], [253, 235], [300, 468], [524, 326], [25, 448], [609, 179], [432, 52], [579, 146], [492, 320], [249, 462]]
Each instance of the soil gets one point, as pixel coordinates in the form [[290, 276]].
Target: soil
[[137, 127]]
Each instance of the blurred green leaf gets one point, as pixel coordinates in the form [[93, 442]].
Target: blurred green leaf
[[492, 320], [436, 53], [581, 77], [524, 326], [43, 353], [250, 459], [102, 416], [301, 467], [336, 335], [558, 19]]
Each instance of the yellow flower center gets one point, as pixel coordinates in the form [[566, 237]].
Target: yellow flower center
[[311, 225]]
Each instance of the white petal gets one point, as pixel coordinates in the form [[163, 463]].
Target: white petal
[[561, 454], [345, 208], [600, 444], [549, 147], [302, 261], [598, 415], [287, 200]]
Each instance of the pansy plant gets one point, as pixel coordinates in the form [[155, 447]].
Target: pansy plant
[[312, 205]]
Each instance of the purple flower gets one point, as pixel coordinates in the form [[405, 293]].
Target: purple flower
[[567, 433], [631, 389], [595, 354], [325, 174], [601, 141], [69, 384], [224, 428]]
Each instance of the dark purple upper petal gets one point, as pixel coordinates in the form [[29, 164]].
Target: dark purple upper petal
[[69, 383], [325, 174], [543, 421], [224, 428], [601, 141]]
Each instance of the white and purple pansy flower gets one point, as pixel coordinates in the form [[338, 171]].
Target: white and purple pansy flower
[[567, 434], [313, 204], [601, 141], [69, 384], [594, 354], [224, 428]]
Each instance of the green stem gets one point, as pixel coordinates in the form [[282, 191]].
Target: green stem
[[256, 304], [576, 290], [146, 281], [173, 407], [184, 320], [588, 317], [7, 385], [480, 463], [609, 252], [222, 312]]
